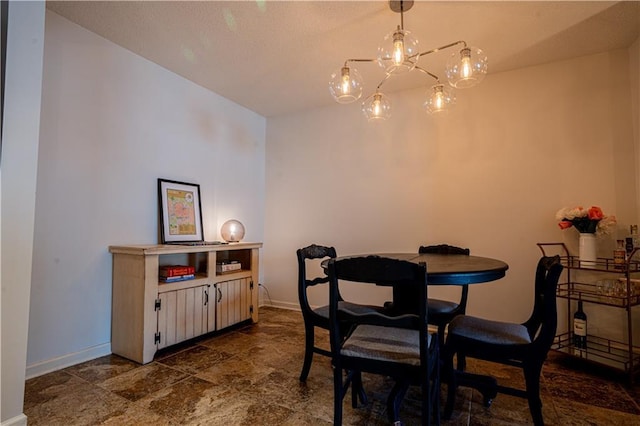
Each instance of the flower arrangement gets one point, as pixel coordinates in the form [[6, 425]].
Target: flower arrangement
[[586, 221]]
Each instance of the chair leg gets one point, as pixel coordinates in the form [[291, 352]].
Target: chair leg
[[435, 390], [441, 328], [308, 352], [357, 390], [394, 400], [532, 378], [447, 355], [338, 395]]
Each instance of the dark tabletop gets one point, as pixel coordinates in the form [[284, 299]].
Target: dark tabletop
[[453, 269]]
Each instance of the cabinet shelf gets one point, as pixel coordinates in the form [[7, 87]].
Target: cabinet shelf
[[198, 281]]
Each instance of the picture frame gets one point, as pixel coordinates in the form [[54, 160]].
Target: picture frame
[[180, 212]]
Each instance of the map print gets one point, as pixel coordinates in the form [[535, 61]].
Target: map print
[[182, 216]]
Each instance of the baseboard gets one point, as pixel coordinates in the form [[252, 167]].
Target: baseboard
[[282, 305], [20, 420], [64, 361]]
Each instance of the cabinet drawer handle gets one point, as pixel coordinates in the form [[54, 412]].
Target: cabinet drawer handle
[[219, 294]]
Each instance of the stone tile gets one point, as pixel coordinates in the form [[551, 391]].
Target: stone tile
[[71, 401], [41, 389], [142, 381], [577, 413], [195, 359], [590, 390], [101, 369], [135, 415], [186, 400], [236, 343], [236, 372]]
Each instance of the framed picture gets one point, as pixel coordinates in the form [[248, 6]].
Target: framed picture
[[180, 212]]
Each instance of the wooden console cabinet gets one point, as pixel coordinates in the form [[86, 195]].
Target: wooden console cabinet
[[147, 314]]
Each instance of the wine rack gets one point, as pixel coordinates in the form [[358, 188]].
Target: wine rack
[[623, 292]]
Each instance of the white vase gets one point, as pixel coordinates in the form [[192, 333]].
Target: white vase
[[588, 250]]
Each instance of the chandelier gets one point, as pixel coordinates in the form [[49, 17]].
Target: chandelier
[[399, 54]]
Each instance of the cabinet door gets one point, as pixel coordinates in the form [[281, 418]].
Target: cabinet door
[[233, 303], [184, 314]]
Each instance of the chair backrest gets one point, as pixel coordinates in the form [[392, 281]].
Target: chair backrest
[[380, 271], [313, 251], [543, 322], [443, 249], [447, 249]]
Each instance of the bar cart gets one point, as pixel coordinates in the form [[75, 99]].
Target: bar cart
[[620, 289]]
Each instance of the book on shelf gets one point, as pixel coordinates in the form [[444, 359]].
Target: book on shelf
[[167, 271], [178, 278], [229, 266]]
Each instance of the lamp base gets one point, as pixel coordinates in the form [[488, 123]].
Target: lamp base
[[400, 5]]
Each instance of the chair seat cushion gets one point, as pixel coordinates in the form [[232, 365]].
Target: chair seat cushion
[[323, 311], [437, 306], [487, 331], [390, 344]]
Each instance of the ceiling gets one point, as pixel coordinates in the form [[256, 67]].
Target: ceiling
[[276, 57]]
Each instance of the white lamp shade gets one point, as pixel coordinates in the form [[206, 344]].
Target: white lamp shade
[[377, 107], [346, 85], [467, 67], [232, 231]]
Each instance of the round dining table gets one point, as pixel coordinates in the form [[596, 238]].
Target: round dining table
[[442, 269], [449, 269]]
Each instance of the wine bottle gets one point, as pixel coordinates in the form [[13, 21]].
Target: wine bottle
[[580, 330], [620, 255]]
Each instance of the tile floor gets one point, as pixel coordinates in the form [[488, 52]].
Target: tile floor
[[249, 376]]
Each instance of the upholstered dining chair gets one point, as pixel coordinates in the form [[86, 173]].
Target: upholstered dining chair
[[441, 312], [399, 346], [522, 345], [318, 316]]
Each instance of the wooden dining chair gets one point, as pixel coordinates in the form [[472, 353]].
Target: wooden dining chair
[[522, 345], [441, 312], [317, 316], [398, 346]]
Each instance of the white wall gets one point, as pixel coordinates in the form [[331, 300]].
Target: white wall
[[112, 124], [634, 73], [489, 176], [25, 40]]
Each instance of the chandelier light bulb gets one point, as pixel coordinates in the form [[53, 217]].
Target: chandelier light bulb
[[376, 104], [346, 81], [398, 52], [346, 85], [377, 107], [398, 48], [465, 64], [466, 68], [440, 99]]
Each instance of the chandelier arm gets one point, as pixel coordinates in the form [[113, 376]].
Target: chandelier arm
[[358, 60], [437, 49], [428, 73], [383, 80]]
